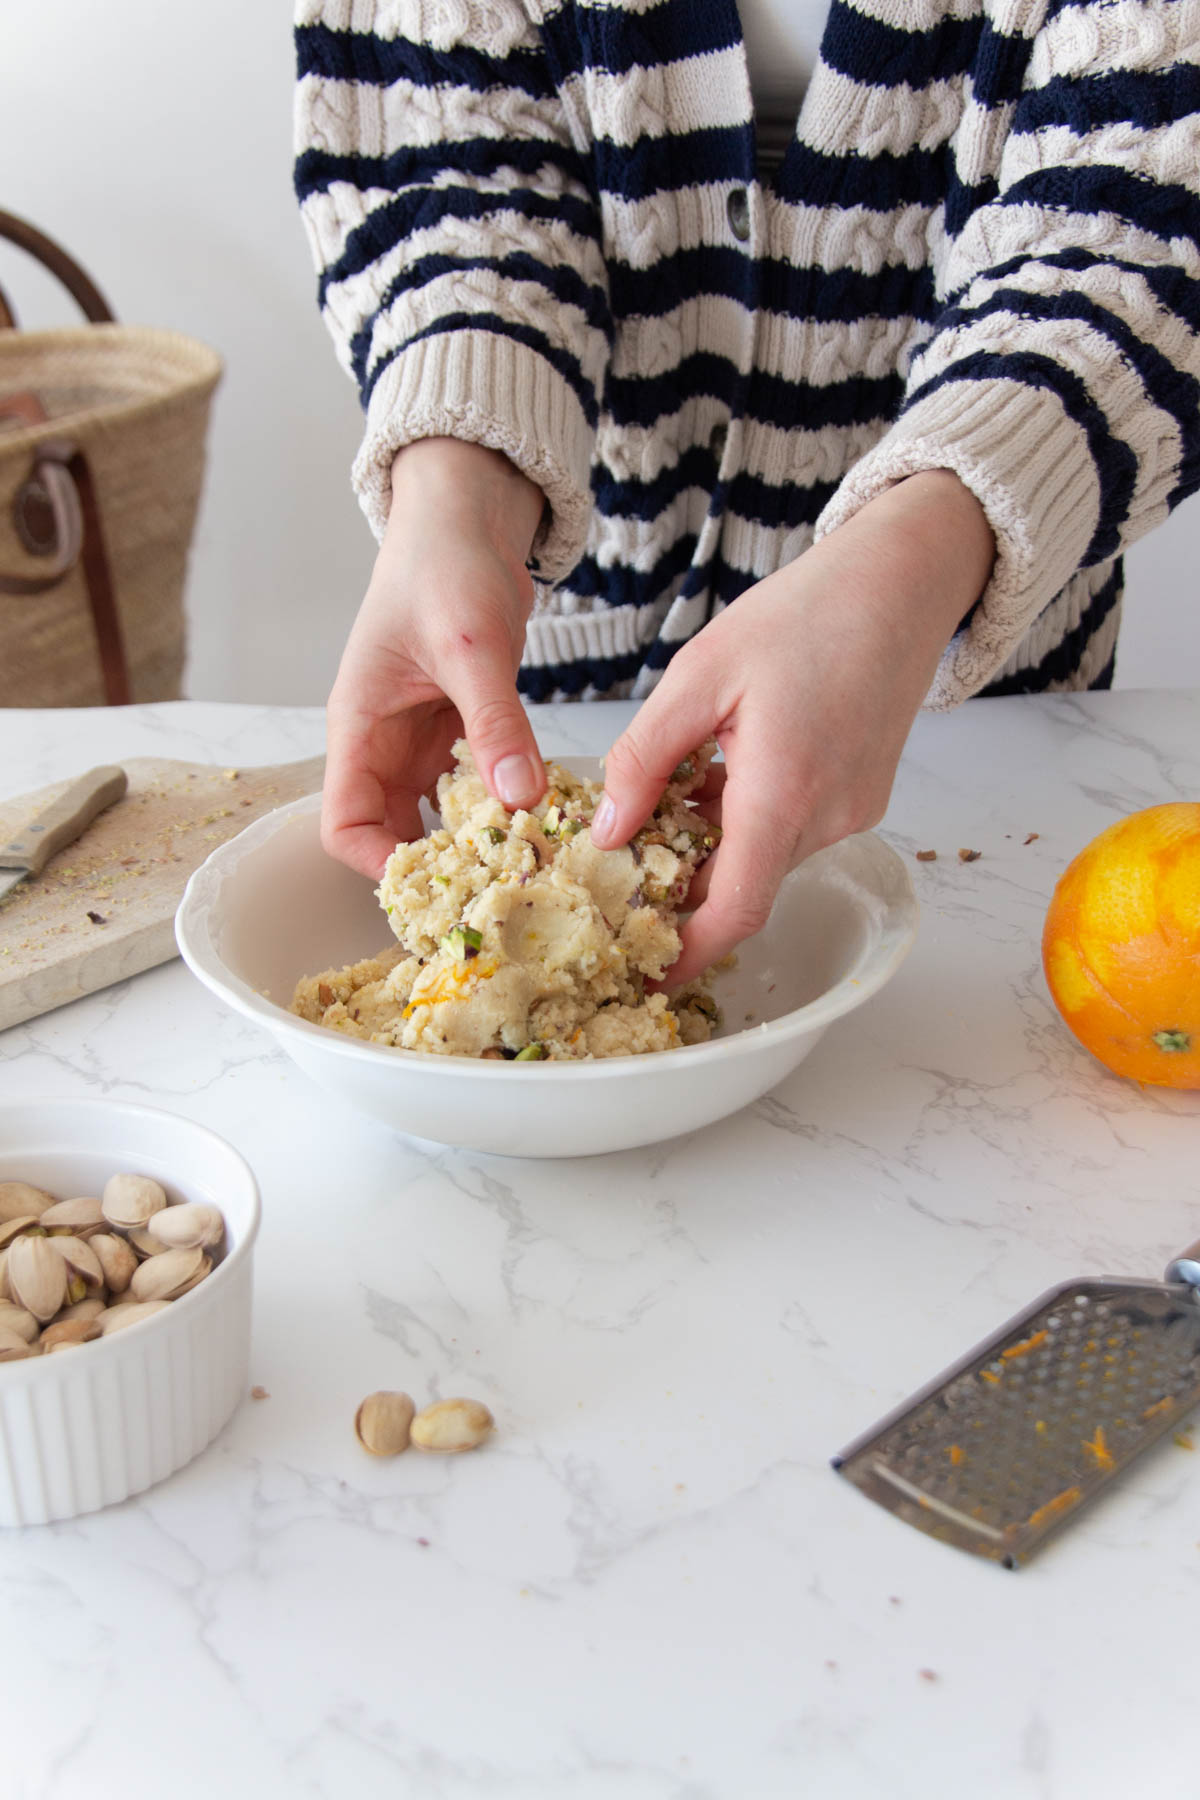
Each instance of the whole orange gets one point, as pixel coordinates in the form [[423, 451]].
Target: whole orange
[[1121, 945]]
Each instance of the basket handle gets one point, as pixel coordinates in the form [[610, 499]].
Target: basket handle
[[52, 256]]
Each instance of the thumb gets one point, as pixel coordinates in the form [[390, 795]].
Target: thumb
[[501, 738]]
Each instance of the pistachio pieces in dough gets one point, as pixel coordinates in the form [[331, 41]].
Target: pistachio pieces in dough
[[519, 939]]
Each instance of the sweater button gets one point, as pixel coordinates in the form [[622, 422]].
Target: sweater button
[[717, 443], [737, 206]]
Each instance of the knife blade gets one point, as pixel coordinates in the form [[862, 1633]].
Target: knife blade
[[59, 824]]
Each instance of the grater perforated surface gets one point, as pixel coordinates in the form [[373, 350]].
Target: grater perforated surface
[[1011, 1442]]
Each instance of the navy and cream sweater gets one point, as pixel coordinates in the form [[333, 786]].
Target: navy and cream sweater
[[538, 226]]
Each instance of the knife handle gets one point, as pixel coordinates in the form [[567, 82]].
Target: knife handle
[[64, 819]]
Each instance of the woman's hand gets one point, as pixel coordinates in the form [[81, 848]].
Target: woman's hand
[[434, 651], [810, 683]]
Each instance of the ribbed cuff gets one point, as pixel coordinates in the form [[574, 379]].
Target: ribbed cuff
[[1029, 466], [484, 388]]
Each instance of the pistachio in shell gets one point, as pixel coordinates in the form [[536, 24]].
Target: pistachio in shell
[[21, 1226], [15, 1318], [19, 1199], [129, 1200], [195, 1223], [91, 1308], [451, 1425], [144, 1242], [382, 1422], [163, 1277], [69, 1331], [83, 1267], [37, 1276], [14, 1348], [81, 1216], [116, 1318], [117, 1259]]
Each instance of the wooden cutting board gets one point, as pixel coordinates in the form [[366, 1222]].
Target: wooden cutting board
[[104, 907]]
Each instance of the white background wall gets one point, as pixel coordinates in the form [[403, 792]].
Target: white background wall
[[154, 141]]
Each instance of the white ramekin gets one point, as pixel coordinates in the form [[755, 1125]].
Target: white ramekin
[[90, 1426]]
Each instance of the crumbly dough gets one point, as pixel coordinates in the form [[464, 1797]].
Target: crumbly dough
[[518, 938]]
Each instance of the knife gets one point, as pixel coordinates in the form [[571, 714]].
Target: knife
[[60, 824]]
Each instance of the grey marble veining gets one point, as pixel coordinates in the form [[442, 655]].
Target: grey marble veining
[[650, 1586]]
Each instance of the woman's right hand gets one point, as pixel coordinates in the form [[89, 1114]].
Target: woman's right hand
[[434, 651]]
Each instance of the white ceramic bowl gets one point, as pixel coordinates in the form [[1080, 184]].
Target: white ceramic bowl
[[270, 906], [86, 1427]]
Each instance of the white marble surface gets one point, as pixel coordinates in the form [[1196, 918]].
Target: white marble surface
[[650, 1586]]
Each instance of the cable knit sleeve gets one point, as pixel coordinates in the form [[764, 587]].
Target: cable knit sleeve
[[1060, 380], [456, 242]]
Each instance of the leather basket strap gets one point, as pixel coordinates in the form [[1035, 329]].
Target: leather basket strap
[[58, 516]]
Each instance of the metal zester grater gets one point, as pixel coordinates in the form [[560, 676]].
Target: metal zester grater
[[1007, 1445]]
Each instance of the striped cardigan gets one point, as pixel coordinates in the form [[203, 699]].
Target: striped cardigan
[[538, 226]]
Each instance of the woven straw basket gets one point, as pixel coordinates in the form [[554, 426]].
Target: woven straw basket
[[102, 436]]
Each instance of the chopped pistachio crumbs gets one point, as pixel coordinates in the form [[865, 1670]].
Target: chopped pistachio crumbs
[[518, 940]]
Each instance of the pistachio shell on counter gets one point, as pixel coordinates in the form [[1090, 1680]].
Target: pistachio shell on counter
[[450, 1425], [382, 1422]]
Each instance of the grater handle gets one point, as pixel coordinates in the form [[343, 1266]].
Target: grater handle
[[1185, 1267]]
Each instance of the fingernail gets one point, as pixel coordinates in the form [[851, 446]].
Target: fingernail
[[515, 780], [604, 820]]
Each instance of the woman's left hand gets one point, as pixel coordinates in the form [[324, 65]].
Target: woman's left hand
[[810, 683]]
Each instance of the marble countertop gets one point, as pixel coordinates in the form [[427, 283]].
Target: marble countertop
[[650, 1586]]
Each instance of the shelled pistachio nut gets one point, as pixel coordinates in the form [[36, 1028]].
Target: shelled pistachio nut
[[382, 1423], [450, 1425], [81, 1216], [167, 1276], [37, 1276], [129, 1200], [185, 1227], [20, 1198], [117, 1259], [116, 1318]]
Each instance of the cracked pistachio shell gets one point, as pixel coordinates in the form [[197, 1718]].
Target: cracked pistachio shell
[[69, 1331], [129, 1200], [15, 1318], [184, 1227], [14, 1348], [37, 1276], [452, 1425], [205, 1269], [116, 1258], [163, 1277], [129, 1313], [81, 1261], [80, 1216], [12, 1229], [382, 1423], [19, 1199]]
